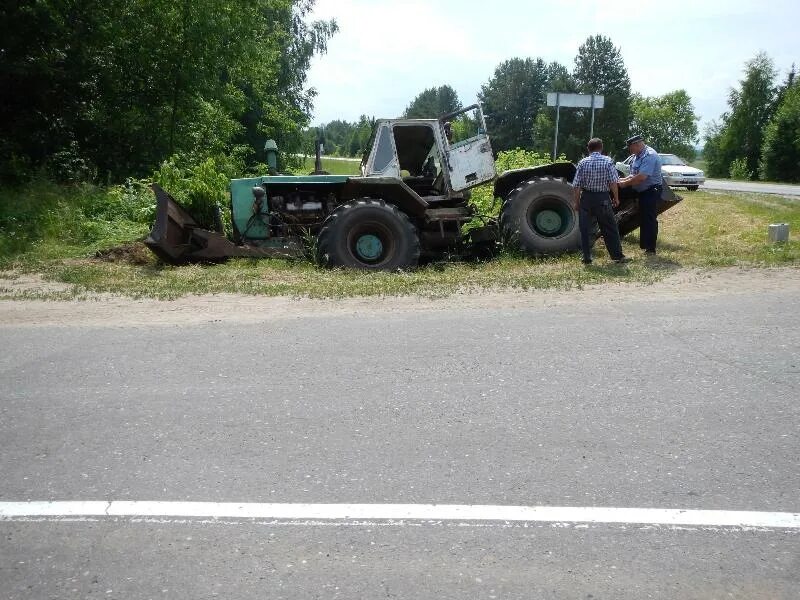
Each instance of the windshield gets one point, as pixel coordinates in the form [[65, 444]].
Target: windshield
[[671, 159]]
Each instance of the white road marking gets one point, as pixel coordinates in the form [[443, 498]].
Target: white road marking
[[567, 515]]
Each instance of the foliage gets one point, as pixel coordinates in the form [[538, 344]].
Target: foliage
[[482, 197], [668, 122], [433, 103], [712, 154], [738, 170], [788, 84], [201, 188], [520, 159], [45, 220], [571, 136], [113, 88], [740, 134], [781, 150], [599, 69], [341, 138], [512, 99]]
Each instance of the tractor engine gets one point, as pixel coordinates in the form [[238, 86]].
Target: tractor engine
[[290, 212]]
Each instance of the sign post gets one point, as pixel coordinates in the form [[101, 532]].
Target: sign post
[[558, 112], [559, 99]]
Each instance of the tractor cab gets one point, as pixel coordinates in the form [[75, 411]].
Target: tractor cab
[[437, 158]]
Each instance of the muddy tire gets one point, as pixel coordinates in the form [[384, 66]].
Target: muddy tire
[[538, 217], [368, 234]]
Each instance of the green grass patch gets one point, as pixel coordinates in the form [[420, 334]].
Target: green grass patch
[[41, 222], [283, 278], [722, 229], [334, 166], [70, 236]]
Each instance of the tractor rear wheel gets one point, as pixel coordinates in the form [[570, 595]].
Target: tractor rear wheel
[[368, 234], [538, 217]]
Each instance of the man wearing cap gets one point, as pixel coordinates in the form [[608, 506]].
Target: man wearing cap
[[595, 176], [645, 178]]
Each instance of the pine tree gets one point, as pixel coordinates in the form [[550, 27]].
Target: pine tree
[[599, 69]]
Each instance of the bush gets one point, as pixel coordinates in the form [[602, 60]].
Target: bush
[[68, 165], [14, 168], [201, 189], [483, 196], [79, 219], [739, 170], [780, 158]]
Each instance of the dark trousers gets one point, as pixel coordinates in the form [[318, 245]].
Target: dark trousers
[[597, 205], [648, 221]]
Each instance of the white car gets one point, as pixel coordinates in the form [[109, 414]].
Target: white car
[[674, 170]]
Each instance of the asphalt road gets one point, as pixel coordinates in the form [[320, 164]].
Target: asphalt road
[[752, 186], [653, 402]]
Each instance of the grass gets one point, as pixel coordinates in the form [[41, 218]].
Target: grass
[[709, 229], [342, 166]]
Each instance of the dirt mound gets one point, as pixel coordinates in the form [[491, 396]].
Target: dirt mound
[[135, 253]]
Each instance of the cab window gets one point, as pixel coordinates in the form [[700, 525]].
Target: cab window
[[383, 153]]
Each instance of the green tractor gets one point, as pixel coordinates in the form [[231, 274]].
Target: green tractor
[[410, 203]]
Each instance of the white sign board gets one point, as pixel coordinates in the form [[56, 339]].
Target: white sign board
[[574, 100]]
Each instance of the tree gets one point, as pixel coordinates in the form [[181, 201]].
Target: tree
[[711, 149], [123, 84], [785, 86], [781, 150], [741, 132], [599, 69], [432, 103], [512, 99], [571, 137], [359, 140], [337, 136], [667, 122]]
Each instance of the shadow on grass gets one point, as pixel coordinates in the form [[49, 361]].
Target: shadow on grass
[[670, 246], [661, 263]]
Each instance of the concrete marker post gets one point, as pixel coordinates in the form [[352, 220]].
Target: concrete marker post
[[778, 232]]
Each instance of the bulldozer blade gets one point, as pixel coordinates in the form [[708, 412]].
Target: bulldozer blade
[[176, 238], [628, 212]]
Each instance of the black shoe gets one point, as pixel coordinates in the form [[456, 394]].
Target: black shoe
[[622, 261], [650, 252], [587, 262]]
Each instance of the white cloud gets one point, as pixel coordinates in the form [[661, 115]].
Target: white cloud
[[387, 52]]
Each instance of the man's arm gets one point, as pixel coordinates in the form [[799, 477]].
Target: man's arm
[[614, 194], [632, 180], [647, 166], [576, 193]]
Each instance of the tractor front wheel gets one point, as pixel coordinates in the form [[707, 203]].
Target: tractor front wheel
[[368, 234], [538, 217]]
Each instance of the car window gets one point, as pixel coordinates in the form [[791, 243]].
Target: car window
[[671, 160]]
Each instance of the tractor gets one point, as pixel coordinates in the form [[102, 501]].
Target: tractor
[[410, 203]]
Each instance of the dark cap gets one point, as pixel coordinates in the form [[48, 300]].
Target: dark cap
[[633, 140]]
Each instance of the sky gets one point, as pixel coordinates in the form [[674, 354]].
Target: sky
[[386, 52]]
